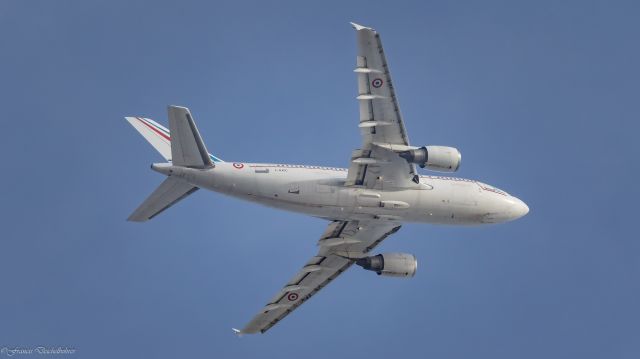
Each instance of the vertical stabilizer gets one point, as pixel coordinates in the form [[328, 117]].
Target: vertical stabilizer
[[187, 147], [156, 134]]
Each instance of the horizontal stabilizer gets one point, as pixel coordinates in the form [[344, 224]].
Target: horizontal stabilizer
[[170, 192]]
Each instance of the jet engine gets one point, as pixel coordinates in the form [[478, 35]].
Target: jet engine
[[391, 264], [436, 158]]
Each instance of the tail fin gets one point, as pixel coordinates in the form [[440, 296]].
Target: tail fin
[[183, 146], [187, 148], [170, 192], [157, 135], [160, 137]]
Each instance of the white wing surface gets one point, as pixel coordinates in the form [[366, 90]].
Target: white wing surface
[[376, 164], [341, 244]]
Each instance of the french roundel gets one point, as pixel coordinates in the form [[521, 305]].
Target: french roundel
[[377, 83], [238, 165], [292, 296]]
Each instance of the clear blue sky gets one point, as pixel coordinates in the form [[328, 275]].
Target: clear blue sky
[[541, 97]]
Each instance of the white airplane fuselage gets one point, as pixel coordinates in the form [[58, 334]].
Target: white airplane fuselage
[[320, 191]]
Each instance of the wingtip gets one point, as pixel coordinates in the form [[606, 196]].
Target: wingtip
[[237, 332], [359, 27]]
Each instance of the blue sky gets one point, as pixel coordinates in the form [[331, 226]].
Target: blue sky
[[541, 98]]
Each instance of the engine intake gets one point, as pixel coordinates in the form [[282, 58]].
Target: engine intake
[[391, 264], [436, 158]]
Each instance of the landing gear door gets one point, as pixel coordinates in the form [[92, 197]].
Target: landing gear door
[[294, 188], [346, 201]]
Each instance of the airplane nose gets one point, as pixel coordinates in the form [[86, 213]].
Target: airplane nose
[[504, 209], [518, 209]]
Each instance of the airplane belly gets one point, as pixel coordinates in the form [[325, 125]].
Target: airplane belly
[[287, 188], [445, 202]]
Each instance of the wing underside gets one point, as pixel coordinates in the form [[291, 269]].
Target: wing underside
[[376, 164], [342, 243]]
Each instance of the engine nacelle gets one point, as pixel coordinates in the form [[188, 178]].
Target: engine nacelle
[[436, 158], [391, 264]]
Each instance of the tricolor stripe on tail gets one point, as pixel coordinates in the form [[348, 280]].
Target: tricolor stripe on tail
[[158, 136]]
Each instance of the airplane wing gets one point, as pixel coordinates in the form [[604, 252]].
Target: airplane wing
[[376, 164], [341, 244]]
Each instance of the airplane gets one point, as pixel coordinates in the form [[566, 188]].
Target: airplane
[[364, 203]]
